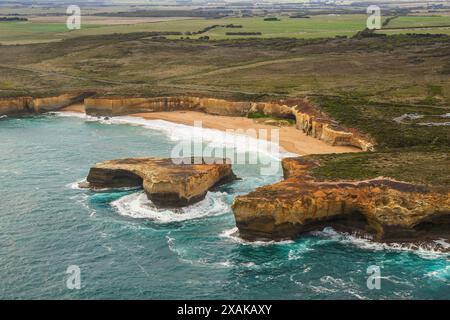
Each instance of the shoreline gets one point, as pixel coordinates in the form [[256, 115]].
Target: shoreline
[[291, 139]]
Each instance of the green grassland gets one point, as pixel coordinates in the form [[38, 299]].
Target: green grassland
[[35, 32], [418, 25], [419, 21], [317, 26], [421, 166], [314, 27], [320, 26]]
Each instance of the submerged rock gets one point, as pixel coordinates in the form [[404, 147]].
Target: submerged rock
[[166, 182], [385, 209]]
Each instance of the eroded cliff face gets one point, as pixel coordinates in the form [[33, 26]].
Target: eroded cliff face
[[15, 106], [385, 209], [29, 105], [166, 182], [277, 110], [317, 126], [39, 105], [116, 106]]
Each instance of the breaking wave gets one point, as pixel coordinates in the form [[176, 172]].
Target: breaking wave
[[431, 250], [77, 186], [137, 205], [233, 234]]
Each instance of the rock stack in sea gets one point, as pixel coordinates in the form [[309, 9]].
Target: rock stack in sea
[[167, 182]]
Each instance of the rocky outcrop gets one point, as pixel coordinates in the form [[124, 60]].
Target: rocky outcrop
[[385, 209], [276, 110], [166, 182], [320, 127], [30, 105]]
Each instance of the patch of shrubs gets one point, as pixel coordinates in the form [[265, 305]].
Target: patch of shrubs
[[300, 16], [9, 19], [271, 19], [243, 33], [204, 30]]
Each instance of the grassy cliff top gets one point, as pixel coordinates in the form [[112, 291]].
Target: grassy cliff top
[[425, 166]]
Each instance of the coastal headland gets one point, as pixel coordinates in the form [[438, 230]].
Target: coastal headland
[[382, 208]]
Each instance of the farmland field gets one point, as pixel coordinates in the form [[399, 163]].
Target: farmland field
[[52, 28], [314, 27], [320, 26], [418, 25], [419, 21]]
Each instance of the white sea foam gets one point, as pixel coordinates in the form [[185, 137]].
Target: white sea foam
[[430, 251], [234, 235], [4, 116], [76, 186], [137, 205], [442, 274], [182, 255], [69, 114]]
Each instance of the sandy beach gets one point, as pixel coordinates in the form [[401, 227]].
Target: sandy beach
[[291, 139], [75, 108]]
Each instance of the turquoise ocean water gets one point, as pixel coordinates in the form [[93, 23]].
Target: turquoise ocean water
[[127, 249]]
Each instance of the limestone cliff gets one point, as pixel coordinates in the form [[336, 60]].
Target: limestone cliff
[[15, 106], [115, 106], [166, 182], [39, 105], [313, 123], [385, 209], [277, 110], [30, 105]]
